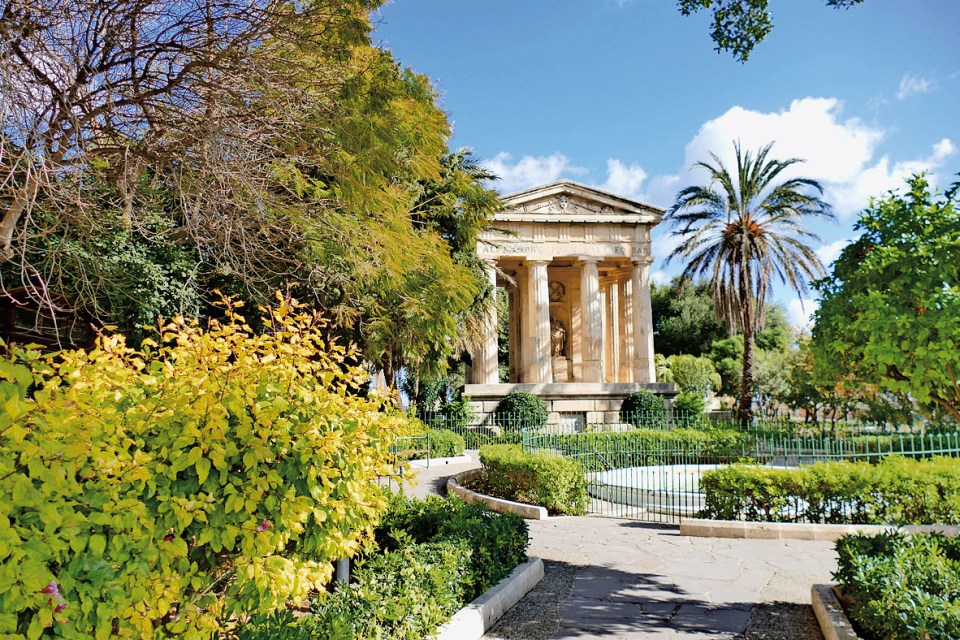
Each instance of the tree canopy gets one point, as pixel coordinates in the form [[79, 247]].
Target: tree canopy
[[740, 25], [158, 151], [888, 312]]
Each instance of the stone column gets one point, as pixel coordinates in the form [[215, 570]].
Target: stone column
[[524, 295], [604, 335], [538, 306], [591, 314], [642, 322], [613, 301], [485, 370], [626, 339]]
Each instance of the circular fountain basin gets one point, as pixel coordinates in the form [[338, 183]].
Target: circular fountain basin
[[671, 489]]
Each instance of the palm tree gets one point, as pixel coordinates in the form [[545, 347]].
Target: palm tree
[[743, 230]]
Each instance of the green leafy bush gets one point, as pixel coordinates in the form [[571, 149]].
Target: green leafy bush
[[445, 444], [543, 479], [521, 410], [405, 594], [476, 438], [897, 490], [166, 490], [646, 447], [437, 555], [903, 586], [643, 408], [498, 541], [689, 408]]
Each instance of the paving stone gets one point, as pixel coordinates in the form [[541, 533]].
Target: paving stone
[[700, 617], [635, 580]]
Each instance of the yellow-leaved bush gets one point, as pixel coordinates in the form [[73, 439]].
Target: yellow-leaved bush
[[169, 490]]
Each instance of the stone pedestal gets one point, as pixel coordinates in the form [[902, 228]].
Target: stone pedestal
[[561, 369], [583, 402]]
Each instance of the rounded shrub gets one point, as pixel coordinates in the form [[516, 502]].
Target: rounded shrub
[[445, 444], [643, 408], [689, 407], [519, 410]]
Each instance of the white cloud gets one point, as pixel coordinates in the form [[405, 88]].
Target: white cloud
[[529, 171], [800, 312], [663, 243], [912, 85], [811, 129], [624, 180], [839, 152], [831, 251], [660, 277], [885, 176]]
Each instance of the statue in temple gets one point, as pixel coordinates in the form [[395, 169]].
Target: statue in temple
[[558, 338]]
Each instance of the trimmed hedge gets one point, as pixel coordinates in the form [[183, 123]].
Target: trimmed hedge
[[476, 438], [521, 410], [646, 447], [897, 490], [437, 555], [543, 479], [903, 586], [445, 444]]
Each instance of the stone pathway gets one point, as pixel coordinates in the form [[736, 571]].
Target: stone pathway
[[616, 578]]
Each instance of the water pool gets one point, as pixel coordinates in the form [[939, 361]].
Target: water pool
[[670, 489]]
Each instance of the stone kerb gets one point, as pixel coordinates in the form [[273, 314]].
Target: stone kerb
[[797, 531], [528, 511], [472, 621], [833, 621]]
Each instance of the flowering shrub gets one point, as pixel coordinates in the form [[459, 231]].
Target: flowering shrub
[[162, 490]]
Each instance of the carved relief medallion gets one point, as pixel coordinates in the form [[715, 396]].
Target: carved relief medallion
[[558, 292]]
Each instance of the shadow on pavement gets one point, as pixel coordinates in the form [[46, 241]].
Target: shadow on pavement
[[601, 602]]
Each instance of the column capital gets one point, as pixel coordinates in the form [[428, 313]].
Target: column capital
[[642, 261], [490, 262], [594, 259], [538, 262]]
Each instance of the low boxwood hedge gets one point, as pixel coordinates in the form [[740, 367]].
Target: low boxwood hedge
[[543, 479], [434, 557], [897, 490], [903, 586], [645, 447], [445, 444]]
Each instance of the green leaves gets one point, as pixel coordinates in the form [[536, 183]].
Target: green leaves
[[888, 312], [895, 491], [540, 478], [903, 586], [212, 489]]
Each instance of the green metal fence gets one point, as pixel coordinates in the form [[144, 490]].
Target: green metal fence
[[648, 466], [654, 474]]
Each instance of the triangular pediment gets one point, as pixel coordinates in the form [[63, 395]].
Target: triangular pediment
[[566, 200]]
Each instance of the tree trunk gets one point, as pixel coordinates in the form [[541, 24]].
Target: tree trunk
[[745, 408], [12, 215]]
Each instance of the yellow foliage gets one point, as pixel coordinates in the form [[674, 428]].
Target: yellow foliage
[[167, 489]]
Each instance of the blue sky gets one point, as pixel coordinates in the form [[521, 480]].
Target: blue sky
[[627, 94]]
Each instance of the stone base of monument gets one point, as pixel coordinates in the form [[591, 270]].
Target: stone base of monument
[[568, 403], [561, 369]]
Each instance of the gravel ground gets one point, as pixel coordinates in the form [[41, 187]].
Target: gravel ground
[[782, 621], [537, 615]]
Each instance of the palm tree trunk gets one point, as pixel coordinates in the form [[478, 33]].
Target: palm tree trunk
[[745, 409]]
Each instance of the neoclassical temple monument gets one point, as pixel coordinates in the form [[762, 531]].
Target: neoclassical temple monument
[[575, 262]]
